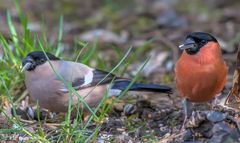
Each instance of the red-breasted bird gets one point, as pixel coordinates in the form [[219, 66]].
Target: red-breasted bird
[[46, 87], [200, 71]]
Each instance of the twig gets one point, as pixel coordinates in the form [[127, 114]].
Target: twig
[[24, 94], [236, 81], [170, 138], [235, 121]]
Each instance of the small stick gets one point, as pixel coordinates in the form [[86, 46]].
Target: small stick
[[236, 81]]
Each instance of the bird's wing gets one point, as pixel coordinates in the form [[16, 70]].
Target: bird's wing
[[82, 76]]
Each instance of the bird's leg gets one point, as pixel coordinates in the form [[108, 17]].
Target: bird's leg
[[186, 110]]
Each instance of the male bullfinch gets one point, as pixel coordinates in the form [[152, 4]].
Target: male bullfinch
[[200, 71], [46, 87]]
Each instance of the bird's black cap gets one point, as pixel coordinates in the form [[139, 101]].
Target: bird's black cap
[[33, 59], [196, 40]]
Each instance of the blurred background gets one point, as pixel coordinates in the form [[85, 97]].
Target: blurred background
[[129, 23]]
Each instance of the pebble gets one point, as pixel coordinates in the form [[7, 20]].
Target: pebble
[[206, 129], [129, 109], [188, 135], [218, 137], [221, 127], [119, 106], [215, 116]]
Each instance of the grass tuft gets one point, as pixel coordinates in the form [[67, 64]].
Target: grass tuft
[[13, 91]]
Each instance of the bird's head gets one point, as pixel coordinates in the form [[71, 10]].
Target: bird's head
[[195, 41], [33, 59]]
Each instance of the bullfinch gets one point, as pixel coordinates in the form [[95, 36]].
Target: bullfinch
[[200, 72], [44, 79]]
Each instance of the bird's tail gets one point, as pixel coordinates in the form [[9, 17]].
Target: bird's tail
[[122, 85]]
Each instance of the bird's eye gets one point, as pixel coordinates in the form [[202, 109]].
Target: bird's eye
[[42, 60], [203, 42]]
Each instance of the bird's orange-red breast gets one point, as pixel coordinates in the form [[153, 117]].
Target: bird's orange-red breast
[[200, 71]]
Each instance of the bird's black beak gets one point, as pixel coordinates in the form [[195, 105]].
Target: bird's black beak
[[189, 43], [27, 63]]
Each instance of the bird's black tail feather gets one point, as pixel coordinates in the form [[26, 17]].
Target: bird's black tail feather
[[122, 85]]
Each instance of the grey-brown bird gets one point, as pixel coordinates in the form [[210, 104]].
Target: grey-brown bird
[[49, 89]]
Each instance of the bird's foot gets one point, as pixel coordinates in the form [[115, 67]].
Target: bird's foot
[[194, 120]]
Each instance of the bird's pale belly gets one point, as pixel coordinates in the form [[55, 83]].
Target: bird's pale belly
[[58, 101]]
